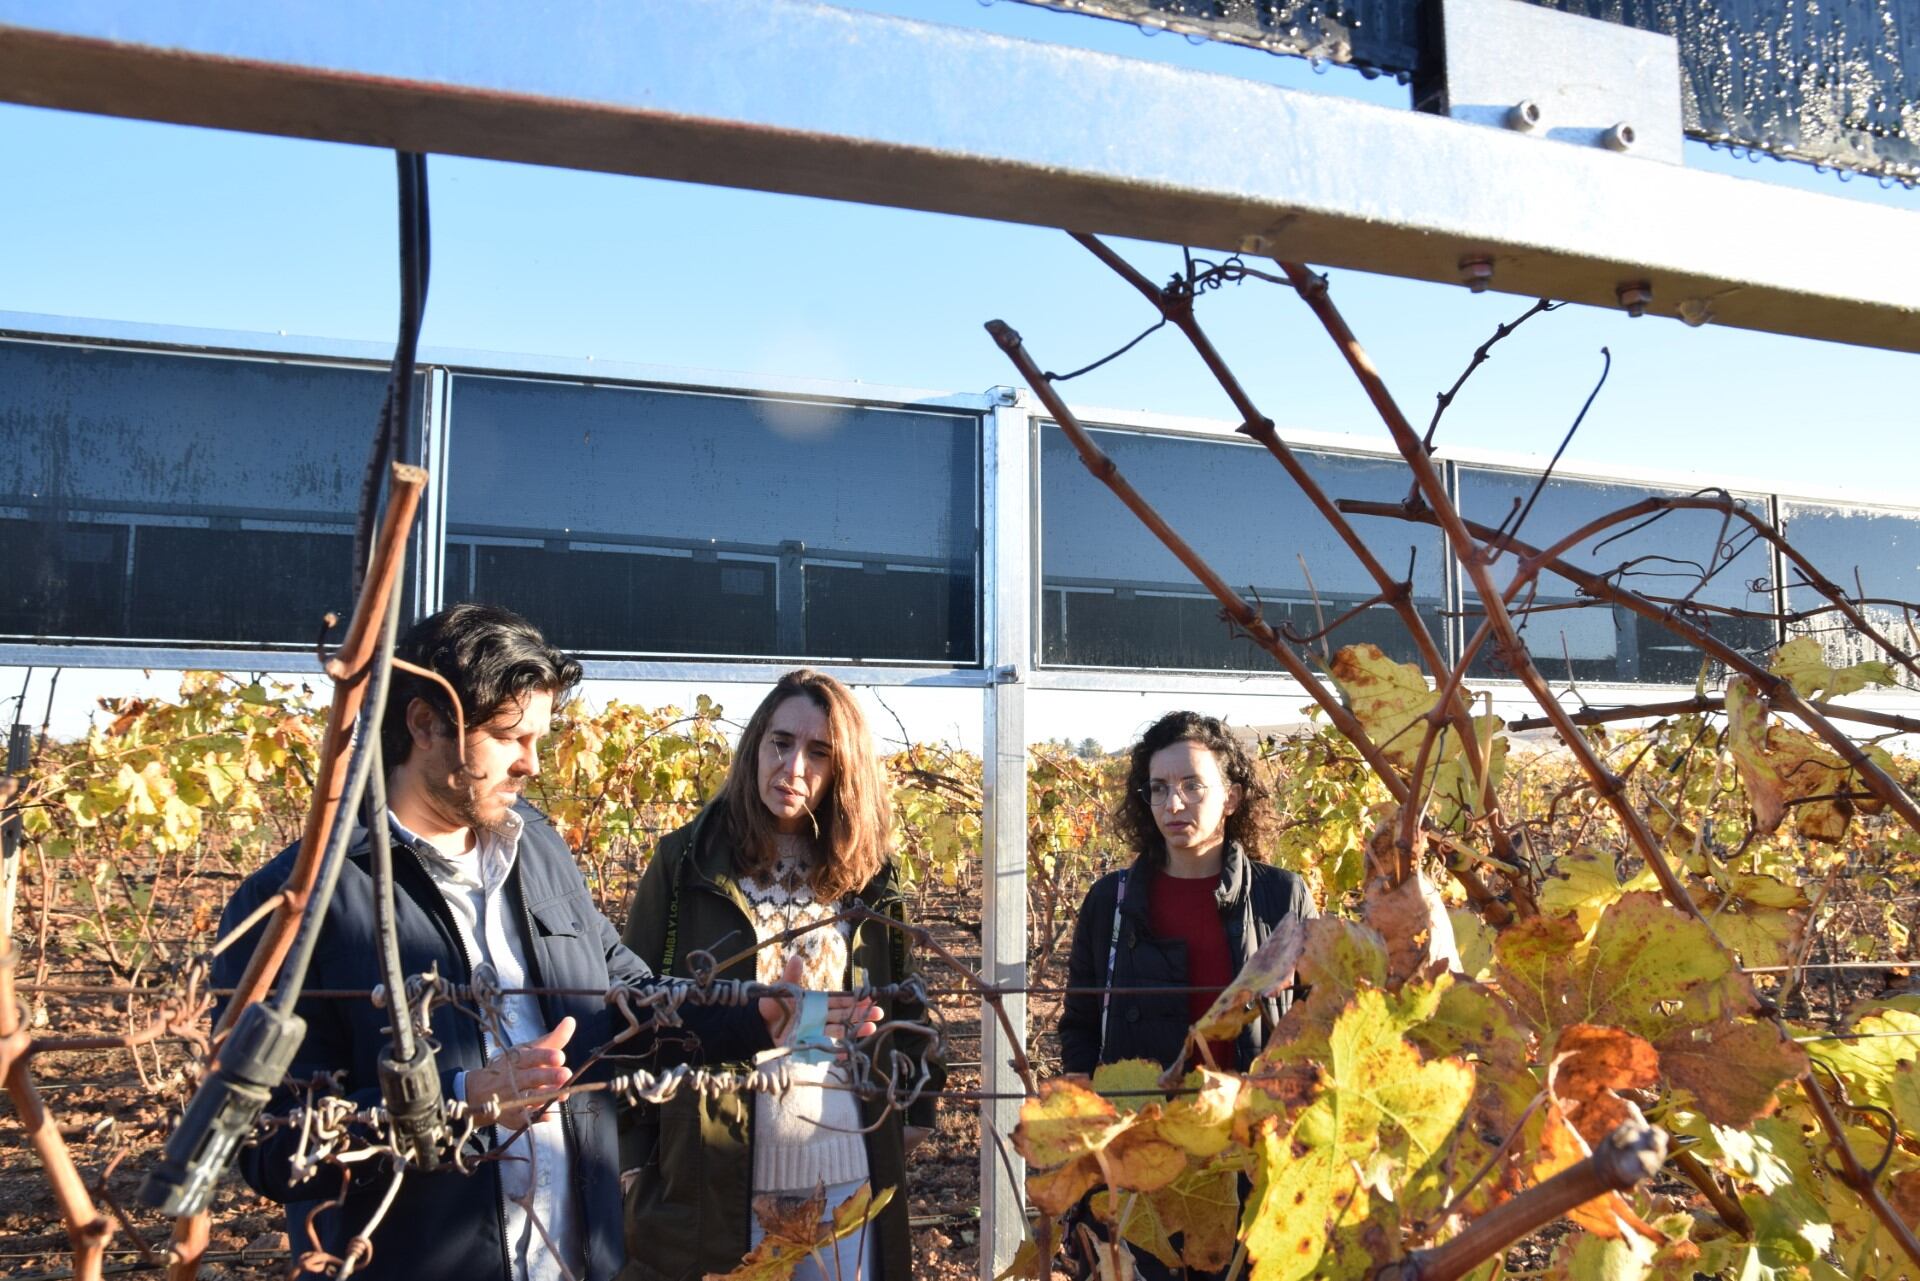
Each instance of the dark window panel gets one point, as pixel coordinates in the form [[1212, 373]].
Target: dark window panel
[[241, 586], [859, 613], [1120, 629], [61, 579], [180, 458], [755, 489], [1115, 597], [1582, 640], [627, 602]]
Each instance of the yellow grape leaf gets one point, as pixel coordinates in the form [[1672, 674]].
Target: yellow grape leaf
[[1268, 972], [1203, 1206], [1747, 740], [1381, 1111], [1646, 968], [1471, 1021], [1139, 1160], [1130, 1084], [1888, 1047], [1077, 1140], [1201, 1122], [1803, 663], [1456, 790], [91, 804], [793, 1236], [1733, 1067], [1388, 698], [1750, 1154], [147, 790], [1341, 956], [1595, 1258], [1064, 1122], [1784, 769], [1764, 929], [1903, 1092], [1027, 1265], [179, 825], [1584, 883], [1793, 1231], [1475, 939]]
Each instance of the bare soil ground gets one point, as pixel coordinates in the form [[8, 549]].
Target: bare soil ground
[[114, 1110]]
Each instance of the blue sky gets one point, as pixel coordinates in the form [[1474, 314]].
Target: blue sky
[[155, 223]]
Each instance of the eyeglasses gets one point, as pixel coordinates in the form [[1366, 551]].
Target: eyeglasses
[[1192, 792]]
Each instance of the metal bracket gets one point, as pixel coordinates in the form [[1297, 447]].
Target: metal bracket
[[1559, 76]]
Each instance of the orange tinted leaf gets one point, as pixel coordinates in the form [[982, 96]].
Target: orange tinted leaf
[[1732, 1067]]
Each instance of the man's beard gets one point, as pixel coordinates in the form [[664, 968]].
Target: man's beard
[[451, 791]]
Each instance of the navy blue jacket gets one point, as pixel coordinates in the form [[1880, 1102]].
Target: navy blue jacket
[[446, 1224]]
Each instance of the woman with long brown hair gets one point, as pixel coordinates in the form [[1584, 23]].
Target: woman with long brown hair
[[799, 832]]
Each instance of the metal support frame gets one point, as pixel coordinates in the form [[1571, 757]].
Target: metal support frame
[[1003, 933], [813, 100], [1009, 575]]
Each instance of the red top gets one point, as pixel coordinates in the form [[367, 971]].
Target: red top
[[1186, 909]]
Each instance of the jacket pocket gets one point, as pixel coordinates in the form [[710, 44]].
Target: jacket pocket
[[558, 917]]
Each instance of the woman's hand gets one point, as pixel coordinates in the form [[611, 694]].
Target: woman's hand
[[848, 1017]]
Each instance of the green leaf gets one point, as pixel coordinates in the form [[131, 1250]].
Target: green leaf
[[1584, 883], [1804, 664], [1592, 1258], [1380, 1115], [1888, 1047], [1647, 968]]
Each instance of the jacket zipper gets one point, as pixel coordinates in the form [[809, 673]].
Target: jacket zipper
[[566, 1117]]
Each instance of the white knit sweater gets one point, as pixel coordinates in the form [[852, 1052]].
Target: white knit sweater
[[808, 1136]]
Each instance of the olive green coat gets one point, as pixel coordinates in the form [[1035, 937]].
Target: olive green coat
[[688, 1211]]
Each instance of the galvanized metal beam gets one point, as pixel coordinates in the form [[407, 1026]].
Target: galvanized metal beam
[[818, 101], [1008, 632]]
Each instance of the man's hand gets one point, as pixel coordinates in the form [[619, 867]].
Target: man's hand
[[848, 1017], [538, 1066]]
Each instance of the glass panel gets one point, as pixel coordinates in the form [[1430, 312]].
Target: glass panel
[[639, 521], [1577, 639], [160, 497], [1867, 551], [1113, 596]]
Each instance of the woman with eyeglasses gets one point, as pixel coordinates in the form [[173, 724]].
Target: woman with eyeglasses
[[799, 833], [1155, 943]]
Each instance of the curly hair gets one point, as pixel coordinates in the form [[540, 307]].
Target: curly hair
[[1249, 826], [489, 654]]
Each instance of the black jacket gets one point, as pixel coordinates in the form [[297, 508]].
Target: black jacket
[[446, 1224], [1253, 897]]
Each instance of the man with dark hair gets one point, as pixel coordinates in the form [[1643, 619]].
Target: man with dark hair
[[485, 890]]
